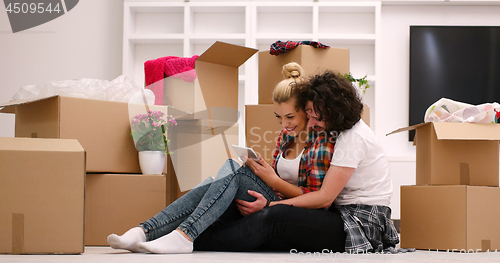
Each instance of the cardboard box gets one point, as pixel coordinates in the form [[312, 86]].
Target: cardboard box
[[456, 153], [450, 217], [206, 136], [101, 127], [365, 115], [114, 203], [312, 60], [201, 145], [173, 189], [262, 130], [216, 84], [42, 185]]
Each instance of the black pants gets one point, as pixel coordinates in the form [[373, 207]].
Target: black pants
[[277, 228]]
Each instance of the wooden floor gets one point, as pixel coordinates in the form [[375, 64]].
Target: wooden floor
[[107, 255]]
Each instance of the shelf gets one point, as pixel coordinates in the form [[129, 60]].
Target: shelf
[[284, 19], [215, 19], [156, 38], [346, 39], [211, 38], [157, 19], [177, 28], [271, 38], [441, 2], [346, 23]]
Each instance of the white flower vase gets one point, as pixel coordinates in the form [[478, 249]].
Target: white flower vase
[[152, 162]]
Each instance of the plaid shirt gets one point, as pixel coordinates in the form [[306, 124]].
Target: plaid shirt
[[369, 228], [315, 160], [279, 47]]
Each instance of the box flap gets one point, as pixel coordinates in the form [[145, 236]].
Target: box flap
[[459, 131], [409, 128], [466, 131], [227, 54], [39, 144], [8, 107]]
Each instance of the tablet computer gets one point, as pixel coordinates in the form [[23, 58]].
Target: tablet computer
[[245, 151]]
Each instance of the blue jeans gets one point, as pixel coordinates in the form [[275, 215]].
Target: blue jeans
[[203, 205]]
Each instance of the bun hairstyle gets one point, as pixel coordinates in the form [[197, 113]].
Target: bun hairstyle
[[285, 90]]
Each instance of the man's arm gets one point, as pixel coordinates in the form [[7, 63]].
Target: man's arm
[[335, 180]]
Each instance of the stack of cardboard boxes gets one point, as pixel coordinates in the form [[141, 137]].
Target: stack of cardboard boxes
[[456, 202], [261, 127], [74, 190]]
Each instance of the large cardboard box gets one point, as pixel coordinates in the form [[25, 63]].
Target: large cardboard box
[[456, 153], [202, 141], [42, 185], [114, 203], [261, 130], [450, 217], [216, 83], [101, 127], [201, 145], [313, 61]]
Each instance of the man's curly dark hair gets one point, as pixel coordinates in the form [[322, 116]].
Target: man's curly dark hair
[[334, 98]]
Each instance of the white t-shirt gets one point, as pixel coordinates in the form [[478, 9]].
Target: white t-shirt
[[288, 169], [370, 183]]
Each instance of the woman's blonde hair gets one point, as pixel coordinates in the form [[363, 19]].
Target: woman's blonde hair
[[293, 74]]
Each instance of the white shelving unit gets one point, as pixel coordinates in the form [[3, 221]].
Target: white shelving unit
[[166, 28]]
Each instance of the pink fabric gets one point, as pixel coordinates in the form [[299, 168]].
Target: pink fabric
[[171, 66], [174, 68]]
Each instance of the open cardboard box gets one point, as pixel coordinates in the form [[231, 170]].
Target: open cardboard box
[[453, 217], [312, 60], [42, 184], [456, 153], [114, 203], [207, 134], [216, 83]]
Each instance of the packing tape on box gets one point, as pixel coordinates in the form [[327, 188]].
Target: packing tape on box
[[485, 245], [464, 174], [17, 233]]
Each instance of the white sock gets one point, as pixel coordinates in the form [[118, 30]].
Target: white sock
[[173, 243], [128, 240]]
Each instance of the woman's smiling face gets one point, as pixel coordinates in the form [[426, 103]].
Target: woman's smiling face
[[294, 121]]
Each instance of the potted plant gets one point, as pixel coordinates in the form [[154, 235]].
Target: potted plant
[[148, 132], [362, 83]]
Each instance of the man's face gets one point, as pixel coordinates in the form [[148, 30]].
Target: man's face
[[314, 121]]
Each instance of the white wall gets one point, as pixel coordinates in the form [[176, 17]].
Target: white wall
[[392, 89], [86, 42]]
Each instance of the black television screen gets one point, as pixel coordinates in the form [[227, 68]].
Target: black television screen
[[461, 63]]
